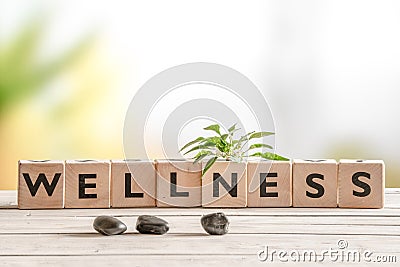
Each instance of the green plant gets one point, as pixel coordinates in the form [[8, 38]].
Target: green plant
[[227, 147]]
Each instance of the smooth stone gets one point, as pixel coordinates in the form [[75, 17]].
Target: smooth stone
[[108, 225], [215, 223], [147, 224]]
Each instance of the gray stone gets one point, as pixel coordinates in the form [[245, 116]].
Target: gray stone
[[108, 225], [215, 223], [147, 224]]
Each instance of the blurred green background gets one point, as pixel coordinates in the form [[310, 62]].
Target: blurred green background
[[69, 69], [58, 106]]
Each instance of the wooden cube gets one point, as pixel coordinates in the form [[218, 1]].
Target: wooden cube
[[87, 184], [178, 183], [133, 183], [40, 184], [225, 185], [269, 184], [315, 183], [361, 183]]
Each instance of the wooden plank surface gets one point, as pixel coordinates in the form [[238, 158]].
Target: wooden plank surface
[[159, 260], [66, 237]]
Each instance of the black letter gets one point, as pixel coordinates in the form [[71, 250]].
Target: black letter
[[232, 190], [365, 186], [83, 185], [128, 186], [264, 184], [33, 188], [315, 185], [173, 191]]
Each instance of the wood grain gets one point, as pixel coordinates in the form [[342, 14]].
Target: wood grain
[[369, 174], [269, 184], [224, 198], [65, 237], [314, 183], [97, 193], [142, 179], [29, 172], [188, 183]]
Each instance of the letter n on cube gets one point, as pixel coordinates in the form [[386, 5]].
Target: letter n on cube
[[225, 185]]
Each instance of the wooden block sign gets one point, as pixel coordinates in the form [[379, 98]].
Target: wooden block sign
[[322, 183], [87, 184], [269, 184], [361, 183], [178, 183], [40, 184], [133, 183], [225, 185], [315, 183]]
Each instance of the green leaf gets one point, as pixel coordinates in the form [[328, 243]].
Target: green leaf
[[222, 142], [268, 155], [232, 128], [202, 146], [259, 145], [245, 137], [201, 155], [212, 139], [214, 127], [222, 145], [198, 139], [257, 154], [260, 134], [224, 136], [238, 143], [209, 163]]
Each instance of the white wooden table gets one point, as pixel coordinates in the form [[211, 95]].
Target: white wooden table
[[66, 237]]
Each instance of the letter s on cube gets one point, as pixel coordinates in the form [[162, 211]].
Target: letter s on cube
[[361, 183]]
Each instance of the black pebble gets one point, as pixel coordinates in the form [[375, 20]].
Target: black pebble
[[147, 224], [215, 223], [108, 225]]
